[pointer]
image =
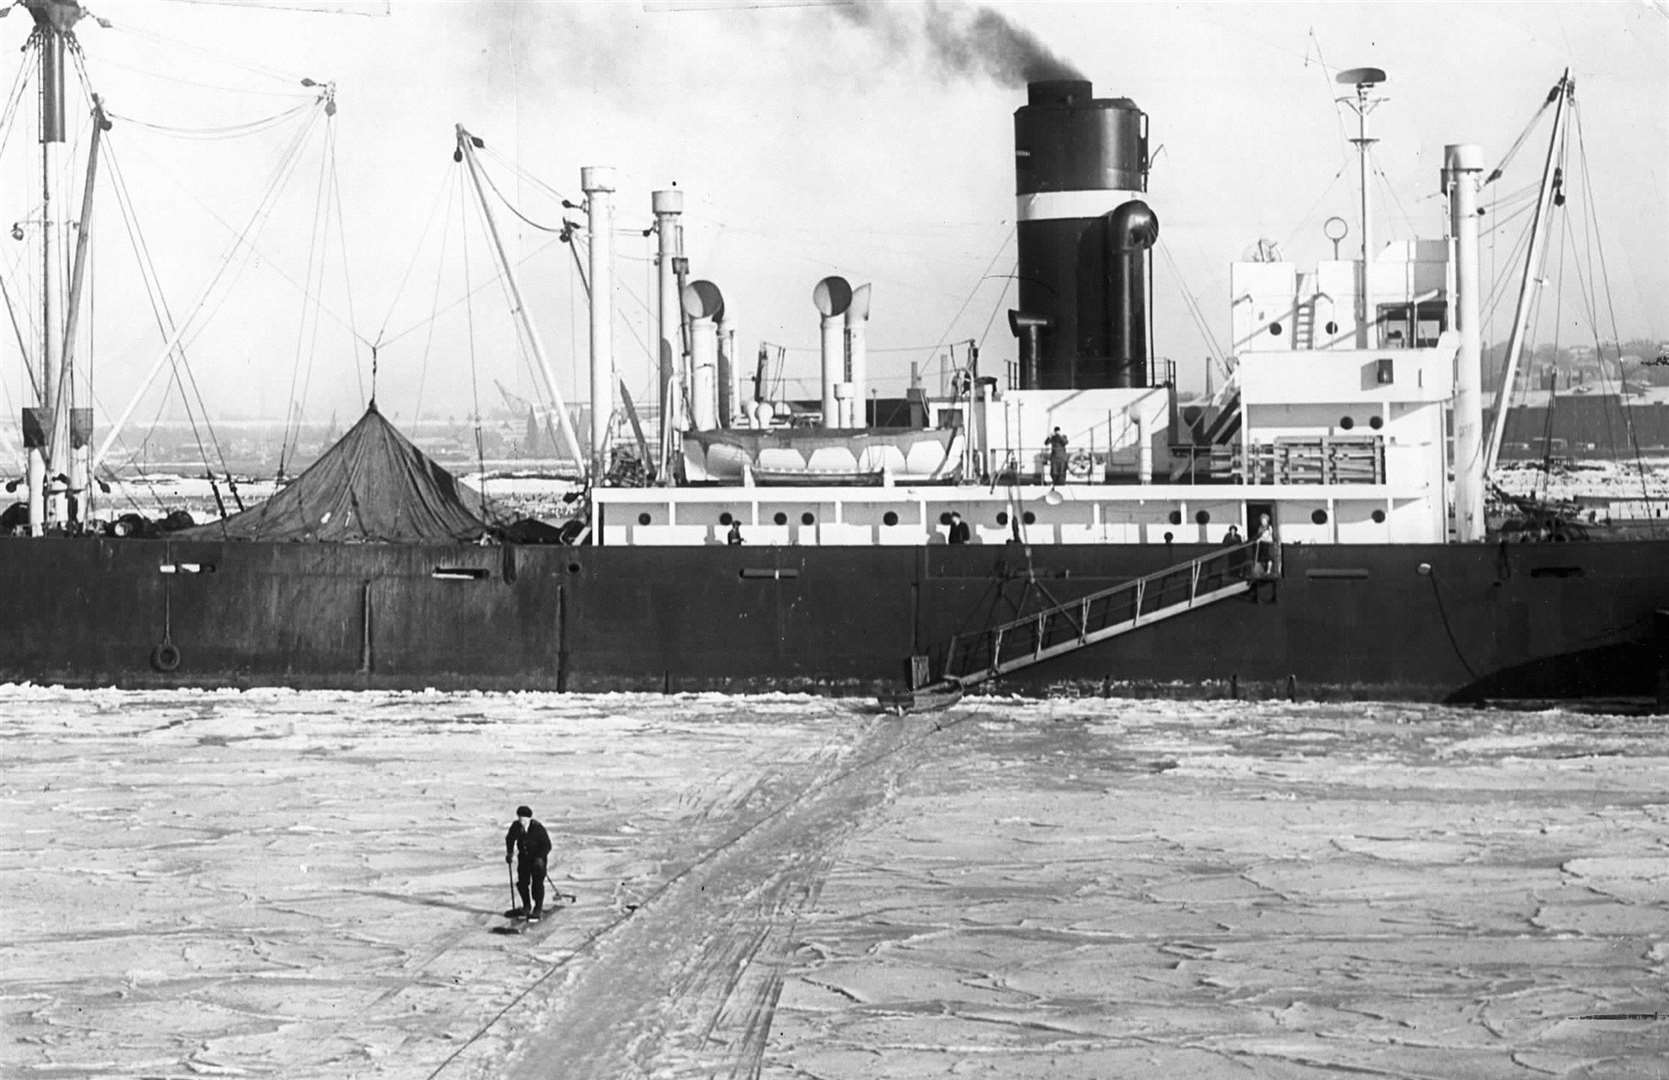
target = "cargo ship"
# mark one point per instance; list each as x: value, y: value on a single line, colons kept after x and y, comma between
x: 1067, y: 521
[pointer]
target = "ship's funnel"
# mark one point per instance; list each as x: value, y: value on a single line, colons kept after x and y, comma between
x: 1077, y: 158
x: 832, y: 296
x: 857, y: 357
x: 703, y: 303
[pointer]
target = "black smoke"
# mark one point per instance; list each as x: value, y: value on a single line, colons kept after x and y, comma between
x: 963, y: 40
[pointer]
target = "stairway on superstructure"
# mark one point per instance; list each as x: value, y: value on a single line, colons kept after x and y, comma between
x: 976, y: 656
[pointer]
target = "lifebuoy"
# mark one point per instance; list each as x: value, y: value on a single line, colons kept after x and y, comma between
x: 1079, y: 463
x: 166, y: 656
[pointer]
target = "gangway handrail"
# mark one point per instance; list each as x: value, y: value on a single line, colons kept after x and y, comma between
x: 1228, y: 571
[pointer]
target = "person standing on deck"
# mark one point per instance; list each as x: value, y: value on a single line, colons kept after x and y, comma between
x: 959, y: 531
x: 529, y: 845
x: 1057, y: 457
x: 1265, y: 556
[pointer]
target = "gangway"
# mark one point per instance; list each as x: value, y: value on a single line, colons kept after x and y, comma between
x: 973, y: 657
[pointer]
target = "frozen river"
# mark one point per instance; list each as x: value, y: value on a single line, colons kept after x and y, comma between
x: 308, y: 884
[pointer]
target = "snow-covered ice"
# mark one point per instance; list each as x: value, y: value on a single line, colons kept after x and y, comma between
x: 272, y: 883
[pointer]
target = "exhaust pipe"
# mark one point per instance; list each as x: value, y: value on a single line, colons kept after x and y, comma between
x: 1131, y: 229
x: 832, y: 296
x: 703, y: 303
x: 857, y: 356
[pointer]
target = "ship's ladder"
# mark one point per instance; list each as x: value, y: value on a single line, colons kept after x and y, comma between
x: 975, y: 656
x: 1303, y: 328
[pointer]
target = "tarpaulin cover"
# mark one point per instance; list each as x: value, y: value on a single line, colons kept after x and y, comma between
x: 373, y: 485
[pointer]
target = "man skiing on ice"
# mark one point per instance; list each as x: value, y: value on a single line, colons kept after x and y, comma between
x: 529, y: 845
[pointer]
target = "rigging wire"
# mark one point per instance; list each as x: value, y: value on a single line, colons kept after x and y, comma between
x: 508, y: 205
x: 950, y: 327
x: 342, y: 245
x: 217, y: 54
x: 217, y: 134
x: 1309, y: 215
x: 1192, y: 303
x: 1598, y: 241
x: 525, y: 175
x: 453, y: 191
x: 191, y: 326
x: 160, y: 309
x: 383, y: 342
x: 442, y: 190
x: 19, y: 85
x: 996, y: 309
x: 295, y: 408
x: 1518, y: 143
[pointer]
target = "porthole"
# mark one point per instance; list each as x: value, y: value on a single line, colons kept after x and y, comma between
x: 1347, y: 422
x: 573, y: 568
x: 808, y: 518
x: 1331, y: 327
x: 1274, y: 329
x: 889, y: 518
x: 1319, y: 517
x: 644, y: 519
x: 1376, y: 422
x: 1176, y: 517
x: 725, y: 518
x: 780, y: 518
x: 944, y: 518
x: 1378, y: 517
x: 1002, y: 517
x: 1202, y: 517
x: 1029, y: 518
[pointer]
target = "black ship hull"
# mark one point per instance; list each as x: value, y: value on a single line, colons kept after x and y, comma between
x: 1401, y: 622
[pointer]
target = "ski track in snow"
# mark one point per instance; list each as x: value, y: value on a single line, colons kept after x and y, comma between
x: 272, y: 883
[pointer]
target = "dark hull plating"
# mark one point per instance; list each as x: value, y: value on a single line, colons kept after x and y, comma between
x: 1552, y: 620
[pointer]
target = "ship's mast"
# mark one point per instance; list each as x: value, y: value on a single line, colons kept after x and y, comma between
x: 1462, y: 169
x: 1364, y: 80
x: 47, y: 430
x: 1562, y: 93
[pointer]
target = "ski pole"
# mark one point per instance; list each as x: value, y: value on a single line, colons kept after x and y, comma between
x: 558, y: 893
x: 515, y: 901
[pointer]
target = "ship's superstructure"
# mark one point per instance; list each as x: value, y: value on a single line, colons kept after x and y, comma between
x: 1336, y: 443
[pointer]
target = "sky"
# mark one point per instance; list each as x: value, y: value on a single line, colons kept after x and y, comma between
x: 874, y: 142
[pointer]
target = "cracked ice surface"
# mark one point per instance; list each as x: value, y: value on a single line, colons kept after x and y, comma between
x: 304, y: 884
